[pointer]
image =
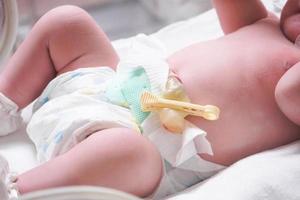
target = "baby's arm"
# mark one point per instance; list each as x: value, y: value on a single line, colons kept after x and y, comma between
x: 234, y: 14
x: 287, y: 93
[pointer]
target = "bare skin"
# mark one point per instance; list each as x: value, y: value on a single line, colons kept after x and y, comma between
x: 64, y: 39
x: 239, y: 73
x: 247, y: 73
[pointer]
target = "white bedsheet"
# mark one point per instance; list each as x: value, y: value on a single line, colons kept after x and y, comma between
x: 269, y: 175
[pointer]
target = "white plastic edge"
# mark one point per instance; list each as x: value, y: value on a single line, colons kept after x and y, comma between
x: 79, y: 193
x: 10, y: 29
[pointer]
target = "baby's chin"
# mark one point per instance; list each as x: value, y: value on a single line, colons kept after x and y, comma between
x: 291, y: 27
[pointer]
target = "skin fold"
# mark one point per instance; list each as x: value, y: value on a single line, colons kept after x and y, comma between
x: 252, y: 74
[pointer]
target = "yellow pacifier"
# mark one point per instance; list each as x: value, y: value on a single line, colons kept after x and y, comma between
x: 174, y: 106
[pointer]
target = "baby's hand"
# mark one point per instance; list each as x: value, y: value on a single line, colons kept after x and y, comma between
x: 290, y: 20
x: 287, y: 93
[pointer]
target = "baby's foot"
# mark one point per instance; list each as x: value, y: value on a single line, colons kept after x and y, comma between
x: 10, y: 118
x: 8, y: 189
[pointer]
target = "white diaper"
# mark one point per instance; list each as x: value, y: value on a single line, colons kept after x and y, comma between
x: 10, y: 117
x: 75, y: 105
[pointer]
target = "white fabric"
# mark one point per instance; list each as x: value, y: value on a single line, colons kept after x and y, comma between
x: 10, y: 116
x: 174, y: 37
x: 3, y: 168
x: 270, y: 175
x: 3, y: 191
x: 71, y: 108
x: 8, y: 189
x: 182, y: 166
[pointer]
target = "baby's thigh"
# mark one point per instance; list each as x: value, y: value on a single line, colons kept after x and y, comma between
x: 75, y: 40
x: 123, y: 153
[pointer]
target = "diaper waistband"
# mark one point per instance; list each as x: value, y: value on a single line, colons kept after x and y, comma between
x: 143, y: 68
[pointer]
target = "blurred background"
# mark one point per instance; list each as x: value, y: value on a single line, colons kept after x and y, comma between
x: 118, y: 18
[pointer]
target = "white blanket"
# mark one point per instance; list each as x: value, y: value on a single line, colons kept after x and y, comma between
x: 269, y: 175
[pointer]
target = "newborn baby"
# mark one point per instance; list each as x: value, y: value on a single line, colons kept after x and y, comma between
x: 249, y: 74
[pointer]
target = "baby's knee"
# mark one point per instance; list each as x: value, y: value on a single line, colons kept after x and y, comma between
x: 144, y: 158
x: 64, y: 19
x: 66, y: 14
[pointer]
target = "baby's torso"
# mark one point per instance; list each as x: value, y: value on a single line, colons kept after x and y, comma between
x: 239, y: 73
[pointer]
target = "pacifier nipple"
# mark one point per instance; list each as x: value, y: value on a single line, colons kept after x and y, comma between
x: 173, y: 120
x: 174, y: 90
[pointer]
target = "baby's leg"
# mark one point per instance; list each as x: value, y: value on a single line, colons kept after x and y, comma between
x: 64, y: 39
x: 117, y: 158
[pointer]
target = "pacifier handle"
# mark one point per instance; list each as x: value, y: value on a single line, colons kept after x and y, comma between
x: 151, y: 102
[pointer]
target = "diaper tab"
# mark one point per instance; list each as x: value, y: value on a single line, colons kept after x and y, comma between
x: 126, y: 88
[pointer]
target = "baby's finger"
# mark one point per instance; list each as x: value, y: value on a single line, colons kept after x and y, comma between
x: 291, y: 27
x: 290, y: 19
